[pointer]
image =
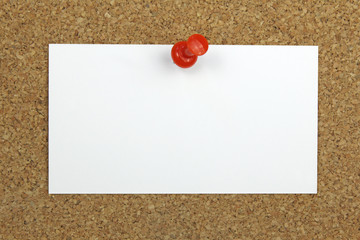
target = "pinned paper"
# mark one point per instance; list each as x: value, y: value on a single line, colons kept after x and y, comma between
x: 126, y: 119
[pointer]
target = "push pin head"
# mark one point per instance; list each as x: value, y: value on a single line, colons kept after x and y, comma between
x: 185, y: 53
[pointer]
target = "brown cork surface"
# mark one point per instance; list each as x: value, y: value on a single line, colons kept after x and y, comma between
x: 27, y: 211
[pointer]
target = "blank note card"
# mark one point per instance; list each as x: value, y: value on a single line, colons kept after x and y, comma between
x: 125, y: 119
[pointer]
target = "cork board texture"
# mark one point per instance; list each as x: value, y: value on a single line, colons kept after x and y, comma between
x: 27, y: 211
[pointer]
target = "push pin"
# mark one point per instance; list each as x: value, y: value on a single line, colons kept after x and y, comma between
x: 185, y: 53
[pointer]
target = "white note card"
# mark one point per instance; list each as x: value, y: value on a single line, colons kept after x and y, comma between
x: 124, y: 119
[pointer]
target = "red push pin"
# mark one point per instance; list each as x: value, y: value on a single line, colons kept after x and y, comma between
x: 185, y: 53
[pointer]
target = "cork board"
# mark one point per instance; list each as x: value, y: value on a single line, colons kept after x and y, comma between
x: 28, y: 212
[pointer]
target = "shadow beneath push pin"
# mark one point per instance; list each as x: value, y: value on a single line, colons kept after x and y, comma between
x: 165, y: 60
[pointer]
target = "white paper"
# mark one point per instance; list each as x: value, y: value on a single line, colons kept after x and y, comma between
x: 125, y: 119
